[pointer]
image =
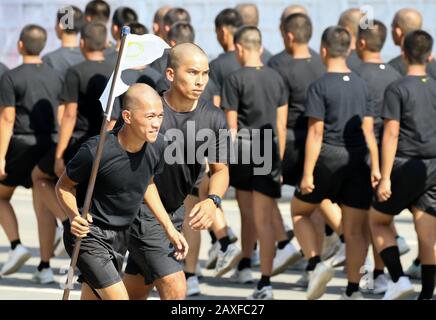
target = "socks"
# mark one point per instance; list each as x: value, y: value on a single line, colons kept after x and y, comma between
x: 224, y: 242
x: 391, y: 259
x: 282, y: 244
x: 290, y: 234
x: 328, y: 231
x: 212, y: 237
x: 311, y: 264
x: 351, y: 288
x: 342, y: 238
x: 417, y: 262
x: 428, y: 273
x: 43, y: 265
x: 264, y: 282
x: 15, y: 243
x: 377, y: 272
x: 188, y: 275
x: 244, y: 263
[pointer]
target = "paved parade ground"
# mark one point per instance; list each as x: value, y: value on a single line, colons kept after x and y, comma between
x: 19, y: 286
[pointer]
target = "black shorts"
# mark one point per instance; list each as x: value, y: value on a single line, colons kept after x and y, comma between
x: 151, y: 254
x: 293, y: 161
x: 413, y: 184
x: 342, y: 175
x: 23, y: 154
x: 46, y: 164
x: 101, y: 255
x: 250, y: 174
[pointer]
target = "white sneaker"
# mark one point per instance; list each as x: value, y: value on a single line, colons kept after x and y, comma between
x: 212, y: 255
x: 231, y: 234
x: 284, y: 258
x: 339, y: 258
x: 403, y: 247
x: 265, y: 293
x: 59, y: 249
x: 192, y: 286
x: 227, y: 260
x: 355, y: 296
x: 303, y: 282
x: 255, y: 258
x: 399, y: 290
x: 45, y: 276
x: 243, y: 276
x: 375, y: 286
x: 17, y: 258
x: 318, y: 280
x: 414, y: 271
x: 330, y: 246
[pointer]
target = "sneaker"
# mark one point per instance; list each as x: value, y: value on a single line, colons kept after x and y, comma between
x: 17, y: 258
x: 243, y: 276
x: 303, y: 282
x: 227, y: 260
x: 355, y: 296
x: 399, y: 290
x: 338, y: 259
x: 59, y: 248
x: 265, y: 293
x: 318, y: 280
x: 403, y: 247
x: 377, y: 286
x: 45, y: 276
x: 255, y: 258
x: 232, y: 236
x: 192, y: 286
x: 284, y: 258
x: 212, y: 255
x: 330, y: 246
x: 414, y: 271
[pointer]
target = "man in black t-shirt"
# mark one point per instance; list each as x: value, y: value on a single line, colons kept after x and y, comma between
x: 408, y: 168
x: 3, y: 69
x: 29, y: 100
x: 340, y: 132
x: 350, y: 20
x: 130, y: 159
x: 186, y: 115
x: 255, y: 100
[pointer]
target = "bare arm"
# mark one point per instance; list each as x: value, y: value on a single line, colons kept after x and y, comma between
x: 282, y: 119
x: 232, y: 122
x: 65, y: 132
x: 60, y: 114
x: 7, y: 121
x: 371, y: 142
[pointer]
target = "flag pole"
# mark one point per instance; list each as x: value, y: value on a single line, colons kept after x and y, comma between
x: 86, y: 206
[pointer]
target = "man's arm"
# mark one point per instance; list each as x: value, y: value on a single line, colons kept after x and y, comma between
x: 389, y: 149
x: 65, y: 132
x: 232, y: 122
x: 371, y: 142
x: 153, y: 201
x: 313, y: 148
x: 7, y: 121
x: 282, y: 119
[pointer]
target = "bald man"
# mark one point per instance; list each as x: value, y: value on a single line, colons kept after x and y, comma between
x: 249, y: 13
x: 350, y: 20
x: 131, y: 157
x: 158, y: 21
x: 151, y: 262
x: 407, y: 20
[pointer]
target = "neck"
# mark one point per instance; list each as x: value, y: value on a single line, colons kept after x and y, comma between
x: 337, y: 65
x: 94, y: 55
x: 299, y: 51
x: 252, y: 59
x: 417, y: 70
x: 129, y: 141
x: 69, y: 40
x: 31, y: 59
x: 371, y: 57
x: 230, y: 46
x: 353, y: 43
x: 178, y: 102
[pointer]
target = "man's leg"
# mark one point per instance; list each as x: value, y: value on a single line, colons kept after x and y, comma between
x: 248, y: 229
x: 135, y: 287
x: 172, y: 287
x: 87, y: 293
x: 8, y: 219
x: 116, y: 291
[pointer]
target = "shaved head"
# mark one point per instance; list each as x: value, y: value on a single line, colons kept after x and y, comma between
x: 248, y: 37
x: 249, y: 13
x: 350, y: 20
x: 139, y: 96
x: 182, y: 52
x: 293, y: 9
x: 407, y: 20
x: 160, y: 13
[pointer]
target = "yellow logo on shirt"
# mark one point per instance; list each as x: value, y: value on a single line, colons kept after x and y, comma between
x: 424, y: 80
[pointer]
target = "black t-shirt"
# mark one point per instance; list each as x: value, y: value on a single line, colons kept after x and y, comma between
x: 255, y: 93
x: 122, y: 178
x: 34, y: 90
x: 84, y: 84
x: 341, y: 100
x: 297, y: 75
x: 63, y: 58
x: 179, y: 177
x: 3, y: 69
x: 377, y: 76
x: 399, y: 65
x: 353, y: 60
x: 160, y: 64
x: 412, y: 101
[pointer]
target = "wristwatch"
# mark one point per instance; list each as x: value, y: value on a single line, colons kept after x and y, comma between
x: 216, y: 199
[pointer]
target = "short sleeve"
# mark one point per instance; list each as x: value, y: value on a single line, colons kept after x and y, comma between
x: 284, y: 94
x: 79, y: 168
x: 230, y: 94
x: 221, y: 150
x: 7, y: 92
x: 71, y: 88
x: 214, y: 75
x: 392, y: 104
x: 160, y: 163
x: 315, y: 104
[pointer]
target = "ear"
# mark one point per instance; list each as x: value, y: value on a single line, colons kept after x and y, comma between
x: 323, y: 52
x: 430, y: 58
x: 82, y: 43
x: 169, y: 72
x: 115, y: 32
x: 261, y: 50
x: 155, y: 28
x: 21, y: 47
x: 127, y: 116
x: 398, y: 32
x: 289, y: 37
x: 361, y: 43
x: 88, y: 19
x: 167, y: 28
x: 172, y: 43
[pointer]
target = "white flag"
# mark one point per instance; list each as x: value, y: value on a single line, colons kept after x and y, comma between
x: 138, y: 51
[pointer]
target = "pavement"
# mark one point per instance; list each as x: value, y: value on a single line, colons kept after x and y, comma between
x: 19, y: 286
